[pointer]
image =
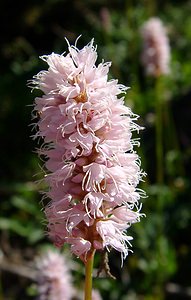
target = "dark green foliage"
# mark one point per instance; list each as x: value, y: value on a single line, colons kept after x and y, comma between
x: 162, y: 239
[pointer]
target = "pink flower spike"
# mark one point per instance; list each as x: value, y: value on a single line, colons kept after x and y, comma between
x: 156, y: 49
x: 91, y: 167
x: 54, y: 280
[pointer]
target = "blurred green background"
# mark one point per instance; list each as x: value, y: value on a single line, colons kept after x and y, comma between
x: 160, y: 267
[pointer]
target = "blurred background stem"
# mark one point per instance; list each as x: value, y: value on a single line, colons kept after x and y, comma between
x: 159, y: 132
x: 1, y: 289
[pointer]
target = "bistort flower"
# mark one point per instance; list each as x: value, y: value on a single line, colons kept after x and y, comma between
x: 54, y: 279
x: 156, y: 49
x: 96, y: 295
x: 91, y: 167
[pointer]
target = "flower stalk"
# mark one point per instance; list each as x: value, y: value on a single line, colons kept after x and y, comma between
x: 88, y: 277
x: 159, y: 134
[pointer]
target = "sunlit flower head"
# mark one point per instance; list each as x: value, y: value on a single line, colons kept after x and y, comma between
x: 91, y: 167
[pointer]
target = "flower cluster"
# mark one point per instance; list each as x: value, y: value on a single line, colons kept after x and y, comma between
x: 93, y: 170
x: 54, y: 280
x: 96, y: 295
x: 156, y: 49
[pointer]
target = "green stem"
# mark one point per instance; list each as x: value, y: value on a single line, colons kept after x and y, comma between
x: 159, y: 134
x: 1, y: 289
x: 172, y: 142
x: 88, y: 276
